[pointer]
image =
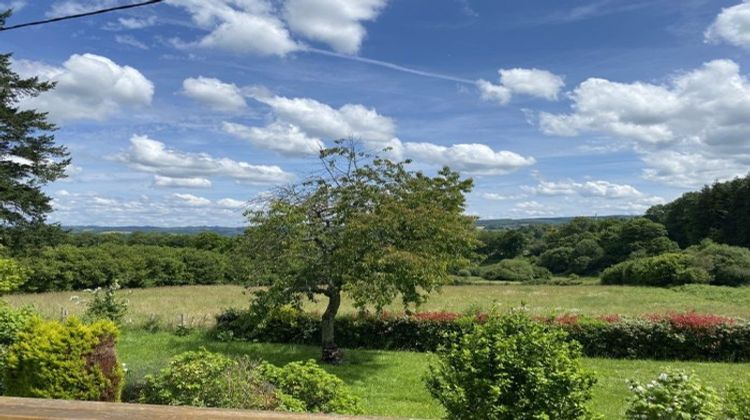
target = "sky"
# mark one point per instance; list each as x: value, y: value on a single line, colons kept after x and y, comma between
x: 184, y: 112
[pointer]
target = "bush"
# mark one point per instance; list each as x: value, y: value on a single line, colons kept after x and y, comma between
x: 320, y: 391
x: 204, y: 379
x: 105, y: 305
x: 511, y: 368
x: 737, y: 402
x: 726, y: 265
x: 662, y: 270
x: 12, y: 275
x: 515, y: 270
x: 65, y: 361
x: 673, y: 395
x: 12, y: 321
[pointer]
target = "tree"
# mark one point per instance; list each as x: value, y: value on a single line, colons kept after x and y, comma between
x: 29, y: 158
x: 364, y: 225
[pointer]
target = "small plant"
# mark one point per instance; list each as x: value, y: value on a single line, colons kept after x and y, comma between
x: 737, y: 402
x: 511, y: 367
x: 105, y: 304
x: 673, y: 395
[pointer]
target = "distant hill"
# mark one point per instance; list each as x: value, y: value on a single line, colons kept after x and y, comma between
x: 180, y: 230
x: 516, y: 223
x: 234, y: 231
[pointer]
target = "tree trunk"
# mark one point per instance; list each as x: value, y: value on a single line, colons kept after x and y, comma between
x: 331, y: 352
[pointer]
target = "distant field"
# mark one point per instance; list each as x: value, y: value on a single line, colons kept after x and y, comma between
x: 390, y: 383
x: 201, y: 303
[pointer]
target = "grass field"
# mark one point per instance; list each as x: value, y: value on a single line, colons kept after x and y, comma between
x: 201, y: 303
x: 390, y: 383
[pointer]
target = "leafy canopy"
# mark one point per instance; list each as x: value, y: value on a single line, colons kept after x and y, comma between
x: 365, y: 225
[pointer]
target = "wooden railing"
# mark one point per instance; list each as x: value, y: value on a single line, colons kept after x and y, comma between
x: 31, y: 408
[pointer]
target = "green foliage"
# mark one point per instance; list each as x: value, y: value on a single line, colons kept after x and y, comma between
x: 320, y: 391
x: 105, y: 304
x: 205, y: 379
x: 662, y: 270
x: 737, y: 402
x: 720, y: 212
x: 726, y: 265
x: 673, y: 395
x: 517, y: 269
x: 12, y: 321
x: 503, y: 244
x: 65, y: 361
x: 12, y: 275
x: 511, y: 368
x: 68, y: 267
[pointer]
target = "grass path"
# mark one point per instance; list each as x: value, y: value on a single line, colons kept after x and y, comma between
x: 390, y: 383
x: 202, y: 303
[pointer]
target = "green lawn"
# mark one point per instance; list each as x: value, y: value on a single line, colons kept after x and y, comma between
x: 390, y: 383
x: 201, y: 303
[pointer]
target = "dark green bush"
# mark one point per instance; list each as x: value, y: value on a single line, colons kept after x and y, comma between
x: 65, y: 361
x: 515, y: 270
x: 726, y: 265
x: 511, y: 367
x: 673, y: 395
x: 662, y: 270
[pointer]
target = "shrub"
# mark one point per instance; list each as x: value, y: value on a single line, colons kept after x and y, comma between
x: 320, y: 391
x: 557, y: 260
x: 515, y: 270
x: 12, y: 321
x: 511, y: 368
x: 727, y: 265
x: 204, y: 379
x: 662, y: 270
x: 12, y: 275
x: 673, y: 395
x: 65, y: 361
x: 737, y: 402
x: 105, y: 305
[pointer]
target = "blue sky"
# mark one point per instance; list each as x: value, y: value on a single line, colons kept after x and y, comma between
x: 179, y: 113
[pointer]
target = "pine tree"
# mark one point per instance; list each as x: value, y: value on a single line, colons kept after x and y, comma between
x: 29, y: 157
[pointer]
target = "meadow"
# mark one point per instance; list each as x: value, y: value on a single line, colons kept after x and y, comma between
x: 390, y: 383
x: 200, y: 304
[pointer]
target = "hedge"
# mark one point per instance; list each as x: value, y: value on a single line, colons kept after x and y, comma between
x: 676, y: 336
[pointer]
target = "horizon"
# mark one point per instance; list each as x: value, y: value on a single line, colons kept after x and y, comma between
x: 180, y: 113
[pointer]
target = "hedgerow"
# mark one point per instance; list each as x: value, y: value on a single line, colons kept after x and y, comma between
x: 676, y: 336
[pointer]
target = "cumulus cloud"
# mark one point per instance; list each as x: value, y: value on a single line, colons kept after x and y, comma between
x: 476, y: 159
x: 191, y: 200
x: 88, y: 87
x: 337, y: 23
x: 697, y: 117
x: 532, y: 82
x: 599, y: 188
x: 239, y: 26
x: 169, y: 182
x: 230, y: 203
x: 732, y: 26
x: 285, y: 138
x: 147, y: 155
x: 214, y: 93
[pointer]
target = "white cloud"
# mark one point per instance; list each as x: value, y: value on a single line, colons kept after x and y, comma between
x: 477, y: 159
x: 230, y: 203
x: 73, y: 7
x: 131, y: 41
x: 191, y: 200
x: 502, y: 197
x: 152, y: 156
x: 532, y: 82
x: 88, y: 87
x: 239, y: 26
x: 169, y: 182
x: 732, y: 26
x: 698, y: 117
x: 136, y: 23
x: 533, y: 209
x: 322, y: 121
x: 599, y: 188
x: 281, y: 137
x: 215, y: 93
x: 334, y: 22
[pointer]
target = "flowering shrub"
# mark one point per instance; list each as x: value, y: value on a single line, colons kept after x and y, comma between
x: 678, y: 336
x: 673, y: 395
